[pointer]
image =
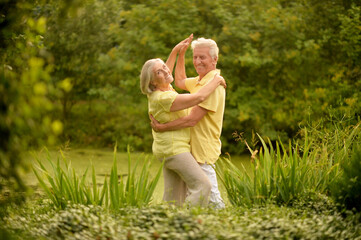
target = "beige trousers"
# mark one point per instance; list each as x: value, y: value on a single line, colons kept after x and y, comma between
x: 181, y: 172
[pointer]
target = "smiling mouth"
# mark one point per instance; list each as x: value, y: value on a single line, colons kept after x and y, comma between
x: 200, y: 67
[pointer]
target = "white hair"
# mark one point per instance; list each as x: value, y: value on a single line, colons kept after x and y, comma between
x: 147, y: 75
x: 202, y: 42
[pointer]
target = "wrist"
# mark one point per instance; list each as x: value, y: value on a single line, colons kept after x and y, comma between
x: 175, y: 50
x: 160, y: 128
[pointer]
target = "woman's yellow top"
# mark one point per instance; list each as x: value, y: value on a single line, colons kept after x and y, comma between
x: 169, y: 143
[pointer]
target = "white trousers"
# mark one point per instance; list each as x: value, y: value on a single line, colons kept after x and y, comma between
x: 215, y: 199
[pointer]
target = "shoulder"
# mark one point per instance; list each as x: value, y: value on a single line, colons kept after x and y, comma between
x: 153, y: 95
x: 166, y: 96
x: 214, y: 100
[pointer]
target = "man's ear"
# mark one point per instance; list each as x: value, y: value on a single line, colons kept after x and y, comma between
x: 215, y: 59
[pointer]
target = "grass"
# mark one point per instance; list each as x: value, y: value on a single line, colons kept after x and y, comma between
x: 137, y: 190
x: 102, y: 160
x: 284, y: 174
x: 63, y: 186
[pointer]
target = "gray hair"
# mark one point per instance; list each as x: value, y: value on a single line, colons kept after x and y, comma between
x: 147, y: 75
x: 202, y: 42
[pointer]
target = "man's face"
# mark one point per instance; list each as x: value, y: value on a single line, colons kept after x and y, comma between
x: 202, y: 61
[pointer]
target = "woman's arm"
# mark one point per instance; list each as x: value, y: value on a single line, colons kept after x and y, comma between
x: 171, y: 59
x: 183, y: 101
x: 173, y: 54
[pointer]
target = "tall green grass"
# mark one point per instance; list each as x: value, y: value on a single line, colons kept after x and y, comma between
x: 63, y: 185
x: 283, y: 174
x: 137, y: 190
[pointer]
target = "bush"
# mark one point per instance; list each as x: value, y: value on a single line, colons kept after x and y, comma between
x: 25, y: 89
x: 168, y: 222
x: 347, y: 190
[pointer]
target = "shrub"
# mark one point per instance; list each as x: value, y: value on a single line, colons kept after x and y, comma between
x: 347, y: 189
x: 169, y: 222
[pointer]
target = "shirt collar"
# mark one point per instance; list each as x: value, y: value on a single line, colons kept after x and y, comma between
x: 209, y: 76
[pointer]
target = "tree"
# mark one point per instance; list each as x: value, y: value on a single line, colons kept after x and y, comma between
x: 26, y: 119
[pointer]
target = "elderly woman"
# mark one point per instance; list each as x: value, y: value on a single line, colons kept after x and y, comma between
x: 181, y: 170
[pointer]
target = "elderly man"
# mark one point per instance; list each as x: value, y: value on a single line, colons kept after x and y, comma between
x: 206, y: 118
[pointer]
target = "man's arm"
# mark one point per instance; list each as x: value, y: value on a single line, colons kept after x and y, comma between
x: 191, y: 120
x: 180, y: 72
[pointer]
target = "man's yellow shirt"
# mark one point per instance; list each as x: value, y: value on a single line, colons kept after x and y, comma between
x: 205, y: 136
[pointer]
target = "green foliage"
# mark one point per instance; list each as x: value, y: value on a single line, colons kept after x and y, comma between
x: 4, y: 234
x: 308, y: 221
x: 285, y: 63
x: 64, y: 186
x: 347, y: 189
x: 71, y: 68
x: 137, y: 190
x: 280, y: 175
x: 26, y: 119
x: 76, y: 41
x: 334, y: 142
x: 285, y: 174
x: 110, y: 122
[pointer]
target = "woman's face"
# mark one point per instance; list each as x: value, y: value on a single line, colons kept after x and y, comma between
x: 162, y: 75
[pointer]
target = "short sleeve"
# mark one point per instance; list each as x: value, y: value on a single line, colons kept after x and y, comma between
x: 190, y: 83
x: 166, y: 99
x: 216, y: 98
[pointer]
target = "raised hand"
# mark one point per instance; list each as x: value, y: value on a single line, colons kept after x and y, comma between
x: 186, y: 43
x: 179, y: 48
x: 183, y: 45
